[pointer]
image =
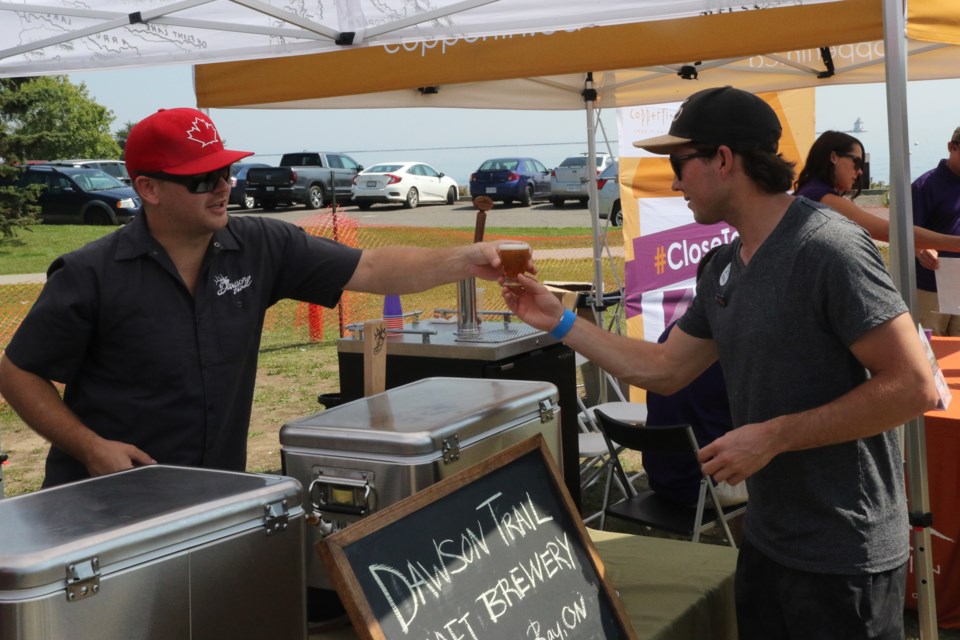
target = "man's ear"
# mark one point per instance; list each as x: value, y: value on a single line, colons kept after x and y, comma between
x: 726, y: 158
x: 146, y: 188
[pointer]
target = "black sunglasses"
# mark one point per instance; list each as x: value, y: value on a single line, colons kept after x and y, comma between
x: 677, y: 162
x: 198, y: 183
x: 857, y: 160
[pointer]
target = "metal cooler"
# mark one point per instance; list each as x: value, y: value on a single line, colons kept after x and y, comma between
x: 370, y: 453
x: 157, y: 552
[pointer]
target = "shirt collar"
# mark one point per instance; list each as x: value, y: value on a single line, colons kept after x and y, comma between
x: 135, y: 239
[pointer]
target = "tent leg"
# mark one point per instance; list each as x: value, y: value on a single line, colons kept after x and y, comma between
x: 589, y: 100
x: 902, y: 270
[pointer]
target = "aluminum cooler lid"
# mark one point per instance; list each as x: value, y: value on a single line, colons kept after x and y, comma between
x: 415, y: 418
x: 127, y: 515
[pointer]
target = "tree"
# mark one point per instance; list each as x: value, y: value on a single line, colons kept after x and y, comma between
x: 17, y: 208
x: 53, y: 118
x: 46, y: 118
x: 122, y: 135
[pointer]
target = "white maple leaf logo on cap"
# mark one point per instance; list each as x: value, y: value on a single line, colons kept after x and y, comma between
x: 203, y: 132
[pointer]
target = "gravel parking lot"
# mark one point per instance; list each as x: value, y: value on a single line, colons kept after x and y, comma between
x: 460, y: 214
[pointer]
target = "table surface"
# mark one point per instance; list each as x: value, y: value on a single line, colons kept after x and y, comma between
x: 942, y: 436
x: 671, y: 590
x: 947, y: 351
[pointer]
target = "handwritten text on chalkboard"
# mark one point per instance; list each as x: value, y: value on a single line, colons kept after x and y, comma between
x: 500, y: 557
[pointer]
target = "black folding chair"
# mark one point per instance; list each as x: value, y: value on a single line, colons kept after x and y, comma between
x: 646, y: 507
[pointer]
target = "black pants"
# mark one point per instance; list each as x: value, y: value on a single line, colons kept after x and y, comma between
x: 775, y: 602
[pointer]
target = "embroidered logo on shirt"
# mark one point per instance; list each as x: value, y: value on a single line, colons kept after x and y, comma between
x: 225, y: 286
x: 203, y: 132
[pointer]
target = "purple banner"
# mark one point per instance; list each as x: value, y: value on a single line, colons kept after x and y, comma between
x: 661, y: 260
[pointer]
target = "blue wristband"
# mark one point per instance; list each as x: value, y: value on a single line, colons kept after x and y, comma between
x: 566, y: 323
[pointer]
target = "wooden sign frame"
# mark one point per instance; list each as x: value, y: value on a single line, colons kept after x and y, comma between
x: 333, y: 549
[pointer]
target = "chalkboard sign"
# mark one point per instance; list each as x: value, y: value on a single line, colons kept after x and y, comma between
x: 496, y: 551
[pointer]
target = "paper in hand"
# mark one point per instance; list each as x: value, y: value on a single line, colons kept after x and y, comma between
x: 948, y: 285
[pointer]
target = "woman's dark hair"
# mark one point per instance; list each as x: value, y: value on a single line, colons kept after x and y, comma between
x: 770, y: 172
x: 818, y: 164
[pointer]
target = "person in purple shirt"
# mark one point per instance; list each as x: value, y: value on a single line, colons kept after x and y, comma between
x: 831, y: 176
x: 705, y: 406
x: 936, y: 206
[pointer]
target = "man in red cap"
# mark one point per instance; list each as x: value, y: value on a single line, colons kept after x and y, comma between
x: 154, y: 330
x: 821, y: 360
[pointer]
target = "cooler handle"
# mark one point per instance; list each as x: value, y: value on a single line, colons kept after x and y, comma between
x: 349, y: 483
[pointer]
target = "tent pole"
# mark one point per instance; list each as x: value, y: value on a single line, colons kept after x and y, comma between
x: 589, y: 100
x: 903, y: 272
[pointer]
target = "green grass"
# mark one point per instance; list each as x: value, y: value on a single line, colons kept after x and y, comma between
x: 36, y: 247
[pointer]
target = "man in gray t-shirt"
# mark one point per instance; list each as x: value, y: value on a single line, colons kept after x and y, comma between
x: 821, y: 359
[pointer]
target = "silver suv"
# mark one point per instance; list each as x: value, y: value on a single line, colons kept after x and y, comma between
x: 569, y: 180
x: 115, y: 168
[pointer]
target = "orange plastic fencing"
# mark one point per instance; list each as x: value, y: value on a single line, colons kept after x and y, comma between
x: 291, y: 323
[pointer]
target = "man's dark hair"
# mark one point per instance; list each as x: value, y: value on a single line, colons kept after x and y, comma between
x: 770, y: 172
x: 818, y: 165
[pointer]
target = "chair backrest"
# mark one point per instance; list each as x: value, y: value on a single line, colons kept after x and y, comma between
x: 677, y: 438
x: 674, y: 439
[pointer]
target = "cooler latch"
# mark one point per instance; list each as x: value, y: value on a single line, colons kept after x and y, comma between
x: 548, y: 410
x: 83, y: 579
x: 451, y: 449
x: 275, y: 516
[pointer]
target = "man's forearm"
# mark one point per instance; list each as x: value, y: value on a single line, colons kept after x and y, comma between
x: 39, y: 405
x: 408, y: 270
x: 879, y: 404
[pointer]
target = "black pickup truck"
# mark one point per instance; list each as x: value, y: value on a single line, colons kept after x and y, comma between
x: 308, y: 177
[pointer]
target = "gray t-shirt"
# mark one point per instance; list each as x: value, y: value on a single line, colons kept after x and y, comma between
x: 783, y: 325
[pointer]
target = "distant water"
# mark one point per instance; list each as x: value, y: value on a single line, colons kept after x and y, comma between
x: 925, y: 153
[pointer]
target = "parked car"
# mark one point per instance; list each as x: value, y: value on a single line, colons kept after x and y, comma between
x: 569, y: 181
x: 509, y: 179
x: 238, y: 184
x: 311, y: 177
x: 80, y: 196
x: 407, y: 183
x: 115, y: 168
x: 608, y: 194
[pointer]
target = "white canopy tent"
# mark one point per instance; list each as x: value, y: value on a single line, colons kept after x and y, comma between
x: 513, y: 54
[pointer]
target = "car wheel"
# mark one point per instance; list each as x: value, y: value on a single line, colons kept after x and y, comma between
x: 452, y: 195
x: 527, y: 198
x: 268, y: 205
x: 364, y: 206
x: 247, y: 202
x: 616, y: 216
x: 413, y: 199
x: 314, y: 197
x: 97, y: 215
x: 557, y: 202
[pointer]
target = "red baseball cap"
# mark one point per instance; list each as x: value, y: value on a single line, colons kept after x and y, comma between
x: 181, y: 142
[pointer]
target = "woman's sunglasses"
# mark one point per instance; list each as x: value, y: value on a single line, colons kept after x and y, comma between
x: 198, y: 183
x: 857, y: 160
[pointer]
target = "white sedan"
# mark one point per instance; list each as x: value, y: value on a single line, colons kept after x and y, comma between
x: 407, y: 183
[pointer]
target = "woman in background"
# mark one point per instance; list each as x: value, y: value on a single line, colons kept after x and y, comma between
x: 831, y: 175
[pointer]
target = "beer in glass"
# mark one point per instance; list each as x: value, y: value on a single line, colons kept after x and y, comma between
x: 514, y: 257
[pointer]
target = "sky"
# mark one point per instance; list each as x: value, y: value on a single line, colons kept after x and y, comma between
x: 456, y: 141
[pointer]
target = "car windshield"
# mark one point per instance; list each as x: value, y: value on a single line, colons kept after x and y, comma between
x: 576, y: 161
x: 499, y: 165
x: 96, y: 181
x: 384, y: 168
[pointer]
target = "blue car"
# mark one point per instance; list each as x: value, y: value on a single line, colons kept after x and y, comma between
x: 81, y: 196
x: 508, y: 179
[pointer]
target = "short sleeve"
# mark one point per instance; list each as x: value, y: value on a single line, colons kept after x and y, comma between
x: 52, y: 340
